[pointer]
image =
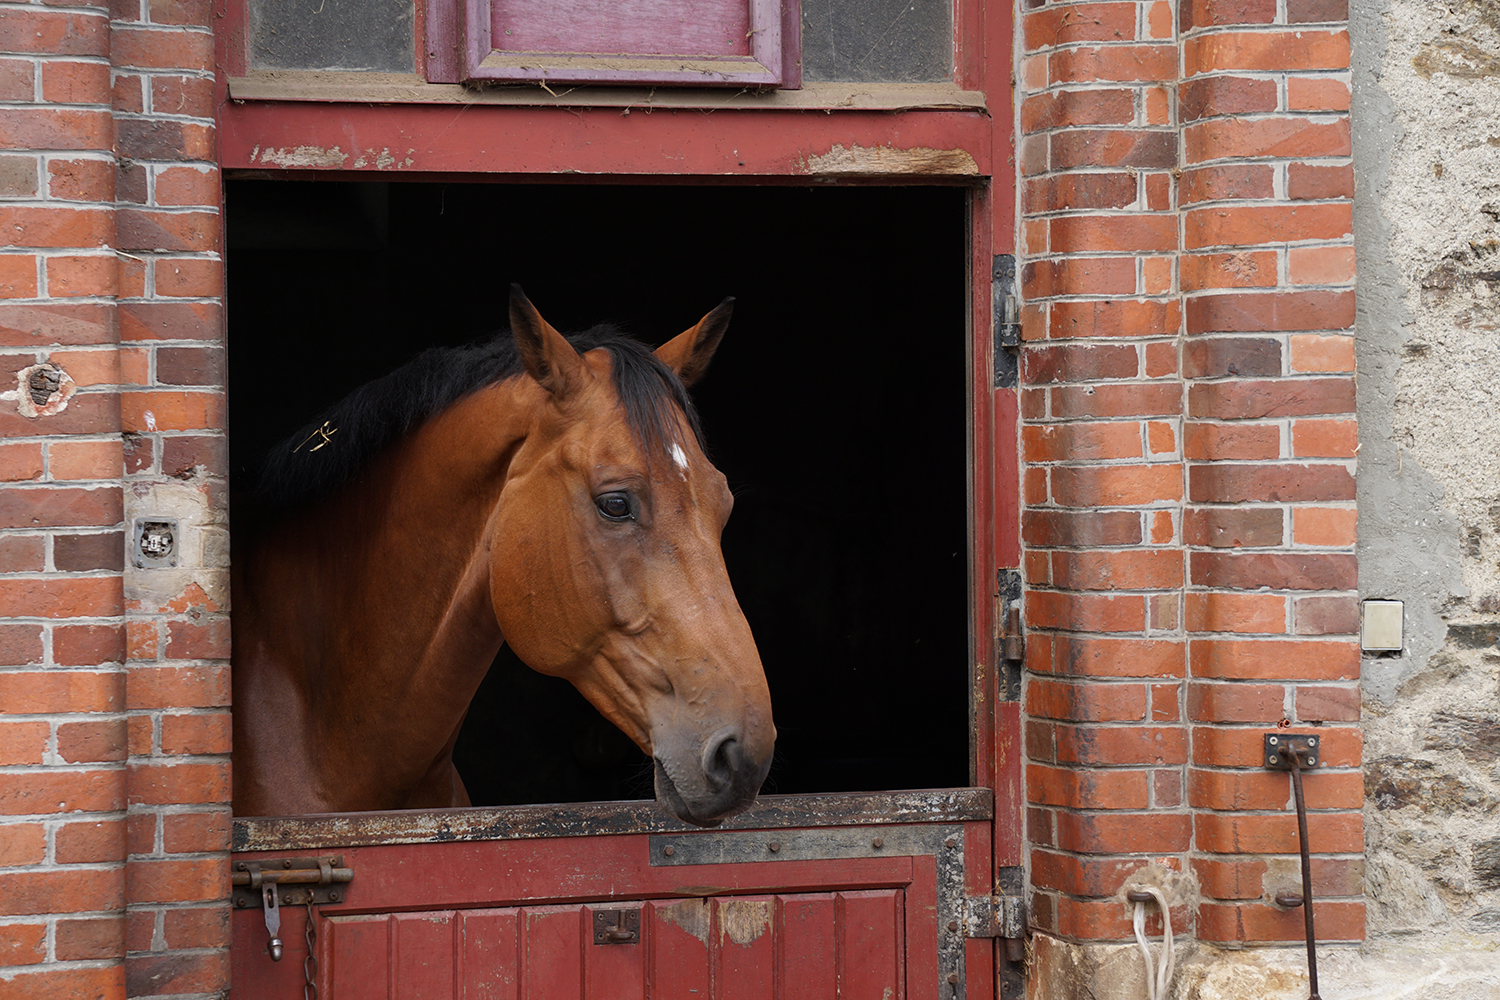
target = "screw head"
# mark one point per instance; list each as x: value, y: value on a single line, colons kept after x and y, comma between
x: 950, y: 843
x: 953, y: 979
x: 1312, y: 741
x: 774, y: 845
x: 1272, y: 759
x: 1273, y: 741
x: 669, y: 850
x: 878, y: 842
x: 953, y: 925
x: 333, y: 897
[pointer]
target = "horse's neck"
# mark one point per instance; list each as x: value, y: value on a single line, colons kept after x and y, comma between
x: 374, y: 604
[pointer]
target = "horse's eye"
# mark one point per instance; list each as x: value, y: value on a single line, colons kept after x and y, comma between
x: 615, y: 506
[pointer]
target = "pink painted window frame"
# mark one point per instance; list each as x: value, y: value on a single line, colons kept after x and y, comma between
x: 460, y: 49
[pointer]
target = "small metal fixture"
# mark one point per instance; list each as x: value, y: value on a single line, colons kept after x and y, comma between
x: 154, y: 544
x: 617, y: 926
x: 1380, y: 626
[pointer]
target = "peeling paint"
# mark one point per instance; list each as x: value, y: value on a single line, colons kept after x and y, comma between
x: 743, y: 921
x: 691, y: 915
x: 860, y: 161
x: 304, y: 156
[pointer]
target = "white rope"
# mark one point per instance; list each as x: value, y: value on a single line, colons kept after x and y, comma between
x: 1158, y: 978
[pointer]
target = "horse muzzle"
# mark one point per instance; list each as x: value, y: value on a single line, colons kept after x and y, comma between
x: 705, y: 783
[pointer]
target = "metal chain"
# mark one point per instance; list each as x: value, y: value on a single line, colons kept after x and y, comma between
x: 310, y: 963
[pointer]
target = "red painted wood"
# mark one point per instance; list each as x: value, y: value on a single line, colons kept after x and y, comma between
x: 809, y: 943
x: 744, y: 948
x: 570, y: 144
x: 678, y: 947
x: 490, y: 955
x: 654, y: 27
x: 869, y: 956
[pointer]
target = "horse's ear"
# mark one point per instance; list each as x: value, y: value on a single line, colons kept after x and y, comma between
x: 687, y: 353
x: 548, y: 357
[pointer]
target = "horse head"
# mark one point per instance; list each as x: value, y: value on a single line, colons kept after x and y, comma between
x: 605, y: 565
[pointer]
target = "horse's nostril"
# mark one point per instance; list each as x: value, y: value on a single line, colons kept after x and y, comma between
x: 723, y: 757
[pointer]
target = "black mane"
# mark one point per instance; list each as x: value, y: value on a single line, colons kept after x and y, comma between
x: 298, y: 471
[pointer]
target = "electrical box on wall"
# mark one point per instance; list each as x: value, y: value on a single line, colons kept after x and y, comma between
x: 1380, y: 626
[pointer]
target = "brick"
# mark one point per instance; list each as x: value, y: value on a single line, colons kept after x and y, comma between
x: 91, y: 939
x: 1321, y: 266
x: 140, y: 453
x: 197, y: 927
x: 23, y: 742
x: 1101, y: 147
x: 1225, y: 95
x: 1232, y: 226
x: 159, y: 410
x: 1116, y: 485
x: 22, y: 554
x: 1156, y: 272
x: 60, y: 507
x: 1035, y: 154
x: 140, y: 735
x: 22, y: 844
x: 1236, y: 879
x: 172, y: 784
x: 52, y: 983
x: 140, y: 832
x: 1254, y: 659
x: 1072, y: 108
x: 1235, y: 702
x: 31, y: 597
x: 186, y: 12
x: 1326, y: 615
x: 1076, y: 442
x: 19, y: 645
x: 54, y: 226
x: 1092, y: 528
x: 1208, y: 13
x: 196, y: 833
x: 1332, y: 527
x: 1250, y: 399
x: 1279, y: 571
x: 1138, y: 569
x: 20, y: 462
x: 1224, y: 482
x: 61, y: 33
x: 1113, y: 745
x: 1260, y: 922
x: 190, y: 365
x: 1265, y: 50
x: 18, y: 176
x: 140, y: 929
x: 166, y: 48
x: 177, y: 881
x: 81, y: 179
x: 93, y: 275
x: 1088, y: 22
x: 206, y: 640
x: 1219, y: 183
x: 1114, y: 318
x: 72, y: 460
x: 1240, y: 834
x: 182, y: 455
x: 1317, y: 11
x: 65, y: 81
x: 1163, y: 529
x: 1114, y: 63
x: 17, y: 80
x: 1313, y: 182
x: 83, y: 553
x: 1077, y: 362
x: 1116, y: 401
x: 1085, y: 702
x: 187, y: 96
x: 1270, y: 790
x: 59, y: 691
x: 23, y: 944
x: 177, y: 974
x: 1208, y: 442
x: 196, y: 278
x: 1217, y: 746
x: 1317, y: 94
x: 171, y: 321
x: 1161, y: 360
x: 91, y: 741
x: 1071, y: 192
x: 1327, y: 703
x: 187, y: 186
x: 1086, y: 612
x: 1264, y: 138
x: 91, y: 842
x: 1136, y: 833
x: 195, y: 734
x: 1081, y: 876
x: 1114, y: 789
x: 128, y: 97
x: 1113, y: 233
x: 1313, y: 353
x: 57, y: 791
x: 1216, y: 357
x: 1241, y: 269
x: 1248, y: 613
x: 177, y: 231
x: 18, y: 276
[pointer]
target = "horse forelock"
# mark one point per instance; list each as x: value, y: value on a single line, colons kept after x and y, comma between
x: 331, y: 450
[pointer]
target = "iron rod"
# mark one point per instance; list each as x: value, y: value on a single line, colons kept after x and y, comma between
x: 1307, y: 896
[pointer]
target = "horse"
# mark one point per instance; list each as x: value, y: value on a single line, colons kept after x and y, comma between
x: 544, y: 491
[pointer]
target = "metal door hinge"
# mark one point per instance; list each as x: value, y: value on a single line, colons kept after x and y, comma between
x: 1006, y: 315
x: 1001, y: 917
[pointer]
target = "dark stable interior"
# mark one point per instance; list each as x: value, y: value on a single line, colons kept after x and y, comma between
x: 836, y: 407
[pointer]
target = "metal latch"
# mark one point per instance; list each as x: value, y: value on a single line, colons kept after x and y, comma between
x: 287, y: 881
x: 997, y: 917
x: 617, y: 926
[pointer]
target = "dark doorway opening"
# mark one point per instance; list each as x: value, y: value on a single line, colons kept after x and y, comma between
x: 836, y: 406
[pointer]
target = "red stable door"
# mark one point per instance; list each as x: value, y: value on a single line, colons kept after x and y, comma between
x: 899, y: 894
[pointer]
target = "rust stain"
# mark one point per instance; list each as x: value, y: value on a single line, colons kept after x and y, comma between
x: 861, y: 161
x: 743, y: 921
x: 690, y: 914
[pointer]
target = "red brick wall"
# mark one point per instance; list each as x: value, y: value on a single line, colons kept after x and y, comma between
x: 113, y: 683
x: 1188, y: 439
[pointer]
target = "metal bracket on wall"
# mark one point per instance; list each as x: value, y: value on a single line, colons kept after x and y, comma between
x: 1001, y: 917
x: 1010, y: 640
x: 1005, y: 311
x: 1283, y: 751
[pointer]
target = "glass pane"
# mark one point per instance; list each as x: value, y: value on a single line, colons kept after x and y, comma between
x: 370, y: 35
x: 872, y: 41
